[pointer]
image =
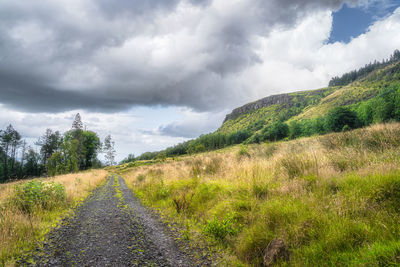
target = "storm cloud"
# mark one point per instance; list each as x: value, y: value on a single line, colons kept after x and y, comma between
x: 111, y: 55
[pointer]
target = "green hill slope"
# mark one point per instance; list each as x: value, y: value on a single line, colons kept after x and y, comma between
x: 311, y: 104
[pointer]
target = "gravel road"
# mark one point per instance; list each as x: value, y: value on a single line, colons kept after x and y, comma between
x: 111, y: 228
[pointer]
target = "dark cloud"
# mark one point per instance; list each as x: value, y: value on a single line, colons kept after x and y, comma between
x: 116, y: 9
x: 109, y: 55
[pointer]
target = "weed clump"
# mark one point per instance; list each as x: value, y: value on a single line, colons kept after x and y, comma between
x: 196, y: 168
x: 213, y: 166
x: 161, y: 191
x: 220, y: 229
x: 243, y: 151
x: 141, y: 177
x: 36, y: 194
x: 182, y: 202
x: 389, y: 194
x: 270, y: 150
x: 260, y: 190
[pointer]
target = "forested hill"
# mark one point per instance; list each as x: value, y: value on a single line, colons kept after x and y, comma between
x: 351, y: 87
x: 365, y: 96
x: 313, y: 96
x: 310, y: 107
x: 351, y: 76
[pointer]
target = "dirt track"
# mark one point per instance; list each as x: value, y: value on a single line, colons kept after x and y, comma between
x: 111, y: 228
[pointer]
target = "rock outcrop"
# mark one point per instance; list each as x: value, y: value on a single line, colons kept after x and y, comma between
x: 275, y: 251
x: 286, y: 100
x: 261, y: 103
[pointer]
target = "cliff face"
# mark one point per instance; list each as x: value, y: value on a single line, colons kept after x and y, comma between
x: 282, y: 99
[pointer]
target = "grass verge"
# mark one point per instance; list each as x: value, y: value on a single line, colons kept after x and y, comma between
x: 333, y: 199
x: 29, y: 209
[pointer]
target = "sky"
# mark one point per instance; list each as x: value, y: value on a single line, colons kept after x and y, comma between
x: 156, y: 73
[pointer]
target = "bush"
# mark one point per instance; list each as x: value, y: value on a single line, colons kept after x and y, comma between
x: 38, y: 195
x: 339, y: 118
x: 270, y: 150
x: 161, y: 191
x: 220, y: 229
x: 196, y: 149
x: 295, y: 129
x: 277, y: 131
x: 243, y: 151
x: 141, y: 177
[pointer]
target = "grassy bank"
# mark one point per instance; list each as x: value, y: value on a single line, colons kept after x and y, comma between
x: 333, y: 199
x: 22, y: 224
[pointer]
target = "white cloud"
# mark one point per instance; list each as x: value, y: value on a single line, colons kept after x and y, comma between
x: 300, y: 58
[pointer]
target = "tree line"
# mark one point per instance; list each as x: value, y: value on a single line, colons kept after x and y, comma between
x: 75, y: 150
x: 350, y: 77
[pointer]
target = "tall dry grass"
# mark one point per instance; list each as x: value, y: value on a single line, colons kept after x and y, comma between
x: 318, y: 194
x: 20, y: 231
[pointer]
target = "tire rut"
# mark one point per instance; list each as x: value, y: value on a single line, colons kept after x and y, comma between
x: 111, y: 228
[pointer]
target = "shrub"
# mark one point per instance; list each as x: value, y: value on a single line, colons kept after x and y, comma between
x: 270, y: 150
x: 141, y: 178
x: 198, y: 148
x: 161, y: 191
x: 182, y: 202
x: 295, y: 129
x: 220, y: 229
x: 276, y: 131
x: 162, y: 156
x: 339, y: 117
x: 243, y: 151
x: 38, y: 195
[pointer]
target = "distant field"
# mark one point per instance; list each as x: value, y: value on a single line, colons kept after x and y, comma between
x: 333, y: 199
x: 21, y: 227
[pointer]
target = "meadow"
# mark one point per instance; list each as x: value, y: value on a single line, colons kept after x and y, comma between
x: 333, y: 199
x: 30, y: 208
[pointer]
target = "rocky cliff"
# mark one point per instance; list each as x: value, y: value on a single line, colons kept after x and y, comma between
x: 285, y: 100
x: 261, y: 103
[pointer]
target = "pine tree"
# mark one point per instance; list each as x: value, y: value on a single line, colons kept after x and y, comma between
x: 9, y: 140
x: 49, y: 143
x: 109, y: 150
x: 77, y: 124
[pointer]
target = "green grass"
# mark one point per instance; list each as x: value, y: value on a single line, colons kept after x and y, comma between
x: 326, y: 215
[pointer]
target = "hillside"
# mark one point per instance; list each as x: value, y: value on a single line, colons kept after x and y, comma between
x: 356, y: 99
x: 331, y: 200
x: 310, y: 104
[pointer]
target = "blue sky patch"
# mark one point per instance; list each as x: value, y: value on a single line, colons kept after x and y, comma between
x: 350, y: 22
